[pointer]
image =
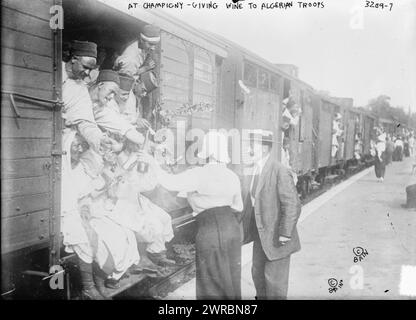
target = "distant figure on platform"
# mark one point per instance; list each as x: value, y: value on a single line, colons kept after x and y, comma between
x: 271, y: 211
x: 336, y: 134
x: 406, y: 150
x: 379, y: 152
x: 389, y: 150
x: 411, y: 145
x: 398, y: 150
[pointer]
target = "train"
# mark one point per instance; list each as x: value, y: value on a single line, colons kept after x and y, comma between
x: 193, y: 67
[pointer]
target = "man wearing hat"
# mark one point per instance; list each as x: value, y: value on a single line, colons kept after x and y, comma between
x: 271, y: 211
x: 77, y: 111
x: 102, y: 93
x: 136, y: 57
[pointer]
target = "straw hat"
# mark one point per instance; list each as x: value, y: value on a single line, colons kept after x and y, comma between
x: 215, y: 145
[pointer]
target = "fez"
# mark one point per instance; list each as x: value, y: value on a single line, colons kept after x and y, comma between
x: 84, y: 49
x: 126, y: 82
x: 108, y: 75
x: 150, y: 33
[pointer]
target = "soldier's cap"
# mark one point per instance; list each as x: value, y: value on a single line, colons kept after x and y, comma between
x: 150, y: 33
x: 84, y: 49
x: 108, y: 75
x: 126, y: 82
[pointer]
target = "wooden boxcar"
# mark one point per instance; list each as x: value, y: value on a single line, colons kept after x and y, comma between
x: 194, y: 67
x: 326, y: 111
x: 30, y: 133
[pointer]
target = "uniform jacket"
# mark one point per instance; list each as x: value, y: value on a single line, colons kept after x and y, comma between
x: 276, y: 211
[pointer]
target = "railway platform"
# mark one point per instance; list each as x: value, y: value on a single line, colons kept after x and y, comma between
x: 355, y: 237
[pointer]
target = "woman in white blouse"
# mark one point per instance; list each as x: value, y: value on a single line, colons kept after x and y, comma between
x: 214, y: 193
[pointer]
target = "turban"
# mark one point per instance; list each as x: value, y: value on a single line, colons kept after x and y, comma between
x: 126, y: 82
x: 151, y: 34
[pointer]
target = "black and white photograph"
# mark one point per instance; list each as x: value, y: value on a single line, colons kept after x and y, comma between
x: 233, y: 151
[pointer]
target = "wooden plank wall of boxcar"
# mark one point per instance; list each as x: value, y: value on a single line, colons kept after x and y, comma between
x: 229, y: 94
x: 316, y: 107
x: 350, y: 135
x: 368, y: 126
x: 295, y: 151
x: 325, y: 133
x: 27, y: 68
x: 306, y: 134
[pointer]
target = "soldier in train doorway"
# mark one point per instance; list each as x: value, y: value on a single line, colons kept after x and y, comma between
x: 271, y: 211
x: 78, y: 107
x: 137, y: 56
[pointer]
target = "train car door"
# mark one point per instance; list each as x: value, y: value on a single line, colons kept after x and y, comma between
x: 325, y: 134
x: 306, y: 133
x: 350, y: 136
x: 316, y: 106
x: 31, y: 128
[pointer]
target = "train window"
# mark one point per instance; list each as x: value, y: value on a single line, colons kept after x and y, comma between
x: 274, y: 83
x: 250, y: 75
x: 263, y: 80
x: 175, y: 70
x: 204, y: 77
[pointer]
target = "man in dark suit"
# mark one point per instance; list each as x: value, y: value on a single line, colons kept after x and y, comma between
x: 271, y: 211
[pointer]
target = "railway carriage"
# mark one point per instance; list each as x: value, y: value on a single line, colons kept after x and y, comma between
x: 30, y: 133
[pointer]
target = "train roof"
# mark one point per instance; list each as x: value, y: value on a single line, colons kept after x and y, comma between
x: 256, y: 58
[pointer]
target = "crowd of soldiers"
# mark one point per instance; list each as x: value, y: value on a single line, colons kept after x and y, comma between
x: 114, y: 229
x: 105, y: 219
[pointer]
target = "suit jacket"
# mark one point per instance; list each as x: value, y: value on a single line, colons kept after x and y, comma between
x: 276, y: 211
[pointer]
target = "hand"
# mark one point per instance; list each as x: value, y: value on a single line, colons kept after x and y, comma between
x: 283, y: 240
x: 143, y: 123
x: 115, y: 145
x: 151, y: 64
x: 145, y: 157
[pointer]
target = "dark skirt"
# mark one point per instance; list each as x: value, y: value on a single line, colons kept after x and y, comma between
x: 218, y: 255
x: 380, y: 166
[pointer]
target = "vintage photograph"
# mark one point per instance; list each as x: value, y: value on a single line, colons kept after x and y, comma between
x: 208, y: 150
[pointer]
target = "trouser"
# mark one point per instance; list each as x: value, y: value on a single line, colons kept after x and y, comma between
x: 218, y: 255
x: 400, y: 153
x: 270, y: 277
x: 379, y: 167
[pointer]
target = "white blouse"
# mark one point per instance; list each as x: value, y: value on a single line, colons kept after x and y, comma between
x: 210, y: 186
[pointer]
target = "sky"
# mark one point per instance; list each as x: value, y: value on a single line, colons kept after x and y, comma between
x: 344, y: 48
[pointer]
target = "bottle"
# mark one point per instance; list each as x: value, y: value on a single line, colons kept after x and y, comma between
x: 143, y: 167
